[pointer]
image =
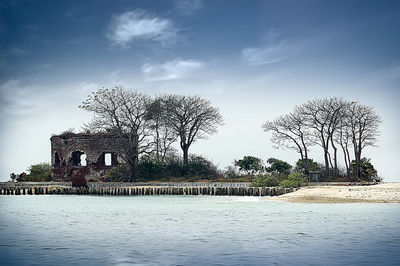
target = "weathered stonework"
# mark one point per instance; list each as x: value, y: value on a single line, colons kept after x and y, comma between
x: 68, y: 152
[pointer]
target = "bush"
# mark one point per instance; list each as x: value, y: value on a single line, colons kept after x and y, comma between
x: 201, y: 168
x: 37, y: 173
x: 266, y: 180
x: 294, y: 180
x: 150, y: 170
x: 172, y: 169
x: 117, y: 174
x: 368, y: 172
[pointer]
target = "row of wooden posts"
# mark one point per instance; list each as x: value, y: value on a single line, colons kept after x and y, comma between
x: 147, y: 190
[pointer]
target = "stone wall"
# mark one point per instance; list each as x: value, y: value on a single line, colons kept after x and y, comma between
x: 90, y: 154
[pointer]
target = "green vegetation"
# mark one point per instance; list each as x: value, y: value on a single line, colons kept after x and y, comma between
x: 172, y: 169
x: 302, y: 166
x: 368, y: 172
x: 282, y: 180
x: 294, y: 180
x: 249, y: 164
x: 276, y: 174
x: 265, y: 180
x: 37, y: 173
x: 278, y: 166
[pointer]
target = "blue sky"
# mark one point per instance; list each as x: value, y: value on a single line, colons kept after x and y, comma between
x: 255, y: 60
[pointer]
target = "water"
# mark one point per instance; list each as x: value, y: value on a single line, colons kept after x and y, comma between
x: 194, y: 230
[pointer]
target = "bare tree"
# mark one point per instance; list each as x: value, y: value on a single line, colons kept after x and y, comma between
x: 191, y: 118
x: 162, y: 134
x: 290, y: 131
x: 123, y: 113
x: 343, y: 138
x: 328, y: 122
x: 323, y: 116
x: 364, y: 126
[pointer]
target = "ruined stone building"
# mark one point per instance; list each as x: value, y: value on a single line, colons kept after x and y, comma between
x: 90, y: 154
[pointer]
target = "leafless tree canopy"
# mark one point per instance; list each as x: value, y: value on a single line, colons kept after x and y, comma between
x: 123, y: 113
x: 191, y: 118
x: 163, y: 135
x: 331, y: 123
x: 146, y: 126
x: 289, y: 131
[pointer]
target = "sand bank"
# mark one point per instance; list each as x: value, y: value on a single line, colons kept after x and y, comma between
x: 381, y: 193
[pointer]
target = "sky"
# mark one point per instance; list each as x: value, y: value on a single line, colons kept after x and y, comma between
x: 254, y: 60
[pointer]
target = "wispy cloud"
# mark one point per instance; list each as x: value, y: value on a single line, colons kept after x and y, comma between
x: 175, y: 69
x: 16, y: 51
x: 188, y: 7
x: 392, y: 72
x: 86, y: 87
x: 43, y: 66
x: 14, y: 97
x: 275, y: 50
x: 129, y: 27
x: 76, y: 14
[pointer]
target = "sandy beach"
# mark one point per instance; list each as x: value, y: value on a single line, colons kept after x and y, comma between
x: 381, y: 193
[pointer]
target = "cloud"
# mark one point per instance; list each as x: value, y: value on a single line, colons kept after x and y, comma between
x: 132, y: 26
x: 389, y: 73
x: 19, y: 51
x: 43, y: 66
x: 261, y: 56
x: 188, y: 7
x: 15, y: 97
x: 76, y: 14
x: 175, y: 69
x: 85, y: 88
x: 275, y: 50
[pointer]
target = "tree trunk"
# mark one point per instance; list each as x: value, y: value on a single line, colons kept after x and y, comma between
x: 326, y: 158
x: 157, y: 144
x: 335, y: 169
x: 358, y: 165
x: 133, y: 170
x: 185, y: 149
x: 346, y: 161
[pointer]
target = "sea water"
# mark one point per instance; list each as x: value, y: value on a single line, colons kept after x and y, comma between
x: 194, y: 230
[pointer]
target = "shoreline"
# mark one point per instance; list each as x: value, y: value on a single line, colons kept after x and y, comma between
x: 380, y: 193
x: 325, y: 194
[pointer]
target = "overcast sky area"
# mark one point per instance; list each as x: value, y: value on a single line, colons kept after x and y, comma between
x: 255, y: 60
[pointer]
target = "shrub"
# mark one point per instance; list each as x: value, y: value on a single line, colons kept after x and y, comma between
x: 172, y: 169
x: 37, y: 173
x: 201, y: 167
x: 117, y: 174
x: 150, y: 170
x: 294, y: 180
x: 368, y: 172
x: 266, y: 180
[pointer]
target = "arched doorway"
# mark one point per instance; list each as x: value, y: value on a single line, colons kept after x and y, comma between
x: 78, y: 158
x: 107, y: 159
x: 56, y: 159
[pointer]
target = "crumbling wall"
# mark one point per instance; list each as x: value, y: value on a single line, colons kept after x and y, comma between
x: 68, y: 152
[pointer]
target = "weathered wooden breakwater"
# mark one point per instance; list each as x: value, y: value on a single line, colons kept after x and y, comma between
x: 215, y: 189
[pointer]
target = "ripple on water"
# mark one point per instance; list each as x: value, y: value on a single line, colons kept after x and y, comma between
x: 177, y: 230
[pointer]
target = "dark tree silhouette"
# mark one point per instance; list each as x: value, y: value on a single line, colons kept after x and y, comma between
x: 191, y: 118
x: 123, y: 113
